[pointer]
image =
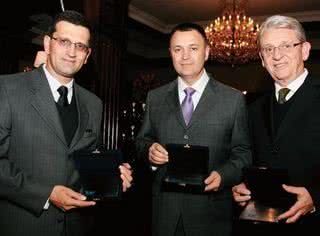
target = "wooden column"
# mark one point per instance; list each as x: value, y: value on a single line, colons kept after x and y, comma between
x: 110, y: 19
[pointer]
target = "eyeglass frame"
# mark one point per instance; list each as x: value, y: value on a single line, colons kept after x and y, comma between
x: 283, y: 48
x: 80, y: 47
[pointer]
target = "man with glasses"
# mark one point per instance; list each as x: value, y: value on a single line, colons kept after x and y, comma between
x: 45, y: 116
x: 285, y: 125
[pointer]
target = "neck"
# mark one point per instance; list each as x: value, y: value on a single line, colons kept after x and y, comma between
x: 190, y: 80
x: 286, y: 82
x: 62, y: 79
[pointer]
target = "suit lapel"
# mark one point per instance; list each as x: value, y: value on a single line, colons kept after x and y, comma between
x: 172, y: 100
x: 44, y: 104
x: 268, y: 115
x: 303, y: 100
x: 206, y: 102
x: 83, y: 116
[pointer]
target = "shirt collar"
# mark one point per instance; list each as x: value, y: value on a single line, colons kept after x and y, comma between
x: 199, y: 85
x: 55, y: 84
x: 294, y: 85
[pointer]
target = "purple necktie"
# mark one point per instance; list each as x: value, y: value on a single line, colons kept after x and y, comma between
x: 187, y: 104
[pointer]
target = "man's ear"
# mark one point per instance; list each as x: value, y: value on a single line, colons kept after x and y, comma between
x: 207, y: 52
x: 87, y: 56
x: 46, y: 43
x: 306, y: 47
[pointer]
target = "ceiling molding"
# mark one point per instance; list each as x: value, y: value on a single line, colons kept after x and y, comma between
x: 305, y: 16
x: 155, y: 23
x: 149, y: 48
x: 147, y: 19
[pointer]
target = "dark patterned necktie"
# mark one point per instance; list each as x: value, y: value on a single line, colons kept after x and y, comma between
x: 63, y: 99
x: 187, y: 104
x: 282, y: 95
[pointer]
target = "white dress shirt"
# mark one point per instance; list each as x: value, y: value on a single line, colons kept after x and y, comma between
x: 293, y: 86
x: 55, y: 84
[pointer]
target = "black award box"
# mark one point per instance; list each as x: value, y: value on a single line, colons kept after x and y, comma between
x: 187, y: 168
x: 99, y: 174
x: 268, y: 198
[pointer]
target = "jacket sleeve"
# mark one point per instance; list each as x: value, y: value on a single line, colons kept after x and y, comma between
x: 240, y: 147
x: 17, y: 186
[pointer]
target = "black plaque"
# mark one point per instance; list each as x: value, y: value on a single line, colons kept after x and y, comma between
x: 268, y: 198
x: 187, y: 168
x: 257, y: 212
x: 99, y: 174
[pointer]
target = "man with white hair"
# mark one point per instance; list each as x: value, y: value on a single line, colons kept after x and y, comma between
x: 285, y: 127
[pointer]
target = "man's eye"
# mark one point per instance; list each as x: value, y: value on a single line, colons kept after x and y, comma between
x: 194, y: 49
x: 270, y: 49
x: 286, y: 46
x: 65, y: 41
x: 80, y: 46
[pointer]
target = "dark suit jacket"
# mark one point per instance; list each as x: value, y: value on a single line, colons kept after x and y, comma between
x: 295, y: 146
x: 219, y: 122
x: 34, y: 155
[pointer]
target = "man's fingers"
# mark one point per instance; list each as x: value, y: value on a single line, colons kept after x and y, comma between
x: 66, y: 199
x: 126, y: 176
x: 158, y: 154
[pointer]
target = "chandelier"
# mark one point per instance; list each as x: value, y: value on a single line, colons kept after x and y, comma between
x: 232, y: 37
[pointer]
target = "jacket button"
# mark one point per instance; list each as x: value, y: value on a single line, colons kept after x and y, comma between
x: 186, y: 136
x: 60, y: 219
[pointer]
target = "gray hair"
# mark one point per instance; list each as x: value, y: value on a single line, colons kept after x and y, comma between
x: 282, y: 22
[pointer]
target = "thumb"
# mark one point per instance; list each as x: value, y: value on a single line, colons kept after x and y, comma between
x: 289, y: 189
x: 76, y: 195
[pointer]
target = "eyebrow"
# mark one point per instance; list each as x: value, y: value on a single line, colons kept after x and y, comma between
x: 68, y: 38
x: 283, y: 42
x: 189, y: 45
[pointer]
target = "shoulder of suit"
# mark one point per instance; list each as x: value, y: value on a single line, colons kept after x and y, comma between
x: 260, y: 100
x: 313, y: 80
x: 16, y: 79
x: 223, y: 87
x: 164, y: 88
x: 88, y: 94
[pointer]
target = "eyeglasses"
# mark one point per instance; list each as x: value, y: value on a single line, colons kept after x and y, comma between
x: 283, y: 48
x: 66, y: 43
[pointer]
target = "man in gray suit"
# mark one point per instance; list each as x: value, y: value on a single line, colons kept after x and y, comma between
x: 219, y: 122
x: 40, y: 129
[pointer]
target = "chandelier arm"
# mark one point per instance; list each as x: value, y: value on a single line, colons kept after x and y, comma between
x: 232, y: 37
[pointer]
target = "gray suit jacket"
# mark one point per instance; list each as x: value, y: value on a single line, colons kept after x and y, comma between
x: 219, y: 122
x: 34, y: 155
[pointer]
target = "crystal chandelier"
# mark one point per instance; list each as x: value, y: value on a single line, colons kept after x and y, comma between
x: 232, y: 37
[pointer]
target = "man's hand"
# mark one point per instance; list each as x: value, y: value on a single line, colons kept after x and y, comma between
x: 126, y: 176
x: 302, y: 206
x: 67, y: 199
x: 158, y: 155
x: 241, y: 194
x: 212, y: 182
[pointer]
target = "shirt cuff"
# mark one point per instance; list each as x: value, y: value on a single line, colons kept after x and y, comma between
x: 154, y: 168
x: 313, y: 210
x: 46, y: 206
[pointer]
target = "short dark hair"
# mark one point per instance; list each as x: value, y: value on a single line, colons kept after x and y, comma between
x: 72, y: 17
x: 188, y: 26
